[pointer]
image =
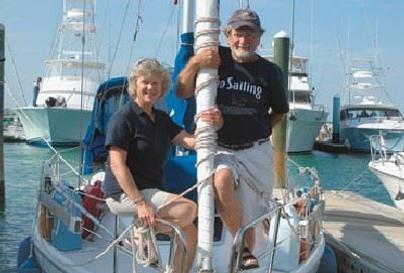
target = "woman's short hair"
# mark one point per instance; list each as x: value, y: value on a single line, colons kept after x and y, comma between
x: 147, y: 67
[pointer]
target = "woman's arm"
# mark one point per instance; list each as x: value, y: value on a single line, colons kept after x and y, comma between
x: 122, y: 174
x: 145, y: 213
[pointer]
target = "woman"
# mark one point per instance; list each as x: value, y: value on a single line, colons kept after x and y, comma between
x: 138, y: 141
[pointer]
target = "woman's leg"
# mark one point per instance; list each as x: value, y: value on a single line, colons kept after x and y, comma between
x: 182, y: 213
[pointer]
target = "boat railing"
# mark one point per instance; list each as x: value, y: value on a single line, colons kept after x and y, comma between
x: 144, y: 258
x: 378, y: 150
x: 239, y: 239
x: 70, y: 211
x: 282, y: 224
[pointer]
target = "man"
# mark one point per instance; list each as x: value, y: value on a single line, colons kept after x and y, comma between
x: 37, y: 89
x: 252, y: 99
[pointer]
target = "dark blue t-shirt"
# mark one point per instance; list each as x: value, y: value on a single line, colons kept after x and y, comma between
x: 147, y: 144
x: 246, y: 92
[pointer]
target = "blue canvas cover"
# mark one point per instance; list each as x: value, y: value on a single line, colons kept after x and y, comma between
x: 111, y: 96
x: 182, y: 111
x: 180, y: 171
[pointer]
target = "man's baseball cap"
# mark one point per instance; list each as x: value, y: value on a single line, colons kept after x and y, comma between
x: 245, y: 17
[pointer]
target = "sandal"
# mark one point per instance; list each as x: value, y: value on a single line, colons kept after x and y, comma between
x: 249, y: 261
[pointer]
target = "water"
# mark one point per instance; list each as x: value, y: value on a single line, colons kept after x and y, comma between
x: 23, y: 168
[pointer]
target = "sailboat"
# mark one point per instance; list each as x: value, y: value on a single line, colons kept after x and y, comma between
x: 75, y: 232
x: 61, y: 110
x: 367, y: 110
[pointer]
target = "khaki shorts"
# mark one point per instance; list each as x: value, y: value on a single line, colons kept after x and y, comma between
x: 253, y: 177
x: 126, y: 207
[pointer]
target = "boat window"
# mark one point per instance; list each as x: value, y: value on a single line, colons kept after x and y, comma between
x: 374, y: 113
x: 342, y: 115
x: 390, y: 113
x: 297, y: 96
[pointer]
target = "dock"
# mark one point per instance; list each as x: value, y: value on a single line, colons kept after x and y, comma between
x: 366, y: 236
x: 330, y: 147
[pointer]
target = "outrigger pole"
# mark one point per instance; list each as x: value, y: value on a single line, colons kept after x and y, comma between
x: 206, y: 35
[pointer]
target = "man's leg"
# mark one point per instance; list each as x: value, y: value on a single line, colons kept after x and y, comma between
x: 227, y: 203
x: 229, y: 208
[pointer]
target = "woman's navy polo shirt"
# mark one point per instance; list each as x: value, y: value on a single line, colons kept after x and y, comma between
x: 147, y: 144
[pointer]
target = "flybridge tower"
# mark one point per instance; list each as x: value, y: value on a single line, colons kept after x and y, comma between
x: 74, y: 69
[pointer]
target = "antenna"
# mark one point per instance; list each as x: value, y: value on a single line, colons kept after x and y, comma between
x: 292, y: 43
x: 242, y: 6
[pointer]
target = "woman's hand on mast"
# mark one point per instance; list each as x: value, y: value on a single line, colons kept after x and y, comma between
x: 212, y: 116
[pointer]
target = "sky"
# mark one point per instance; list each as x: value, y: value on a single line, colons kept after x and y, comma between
x: 324, y: 31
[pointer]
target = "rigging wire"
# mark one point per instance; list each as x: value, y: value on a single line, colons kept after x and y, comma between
x: 83, y: 45
x: 119, y: 38
x: 139, y: 21
x: 163, y: 35
x: 14, y: 65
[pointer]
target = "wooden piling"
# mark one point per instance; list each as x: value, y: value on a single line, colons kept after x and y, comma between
x: 2, y: 61
x: 281, y: 58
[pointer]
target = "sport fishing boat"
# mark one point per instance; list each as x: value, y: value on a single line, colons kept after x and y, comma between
x: 305, y: 118
x: 12, y: 128
x: 389, y: 168
x: 62, y: 108
x: 75, y: 232
x: 368, y: 111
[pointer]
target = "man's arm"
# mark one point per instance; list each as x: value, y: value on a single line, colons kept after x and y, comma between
x: 205, y: 58
x: 275, y: 118
x: 185, y: 84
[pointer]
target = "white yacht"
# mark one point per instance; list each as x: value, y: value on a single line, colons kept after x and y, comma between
x: 12, y: 128
x: 61, y: 110
x: 305, y: 118
x: 367, y: 110
x: 389, y: 168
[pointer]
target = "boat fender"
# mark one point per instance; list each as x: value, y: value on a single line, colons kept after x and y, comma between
x: 304, y: 234
x: 29, y: 266
x: 328, y: 263
x: 92, y: 206
x: 50, y: 101
x: 24, y: 250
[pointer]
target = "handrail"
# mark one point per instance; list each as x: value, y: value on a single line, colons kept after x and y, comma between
x: 176, y: 233
x: 239, y: 239
x: 51, y: 172
x: 377, y: 147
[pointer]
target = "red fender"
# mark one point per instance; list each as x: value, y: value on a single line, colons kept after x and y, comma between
x: 92, y: 205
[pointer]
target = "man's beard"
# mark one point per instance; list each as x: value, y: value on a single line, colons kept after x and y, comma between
x: 243, y: 54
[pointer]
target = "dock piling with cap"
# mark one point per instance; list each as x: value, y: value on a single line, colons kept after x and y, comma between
x: 2, y: 60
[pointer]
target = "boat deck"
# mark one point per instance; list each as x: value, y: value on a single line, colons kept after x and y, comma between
x: 367, y: 236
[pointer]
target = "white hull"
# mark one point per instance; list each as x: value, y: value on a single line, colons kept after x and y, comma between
x: 303, y: 127
x: 392, y: 176
x: 83, y: 261
x: 59, y: 126
x: 358, y: 132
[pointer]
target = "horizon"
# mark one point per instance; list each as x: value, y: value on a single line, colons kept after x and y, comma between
x: 325, y: 31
